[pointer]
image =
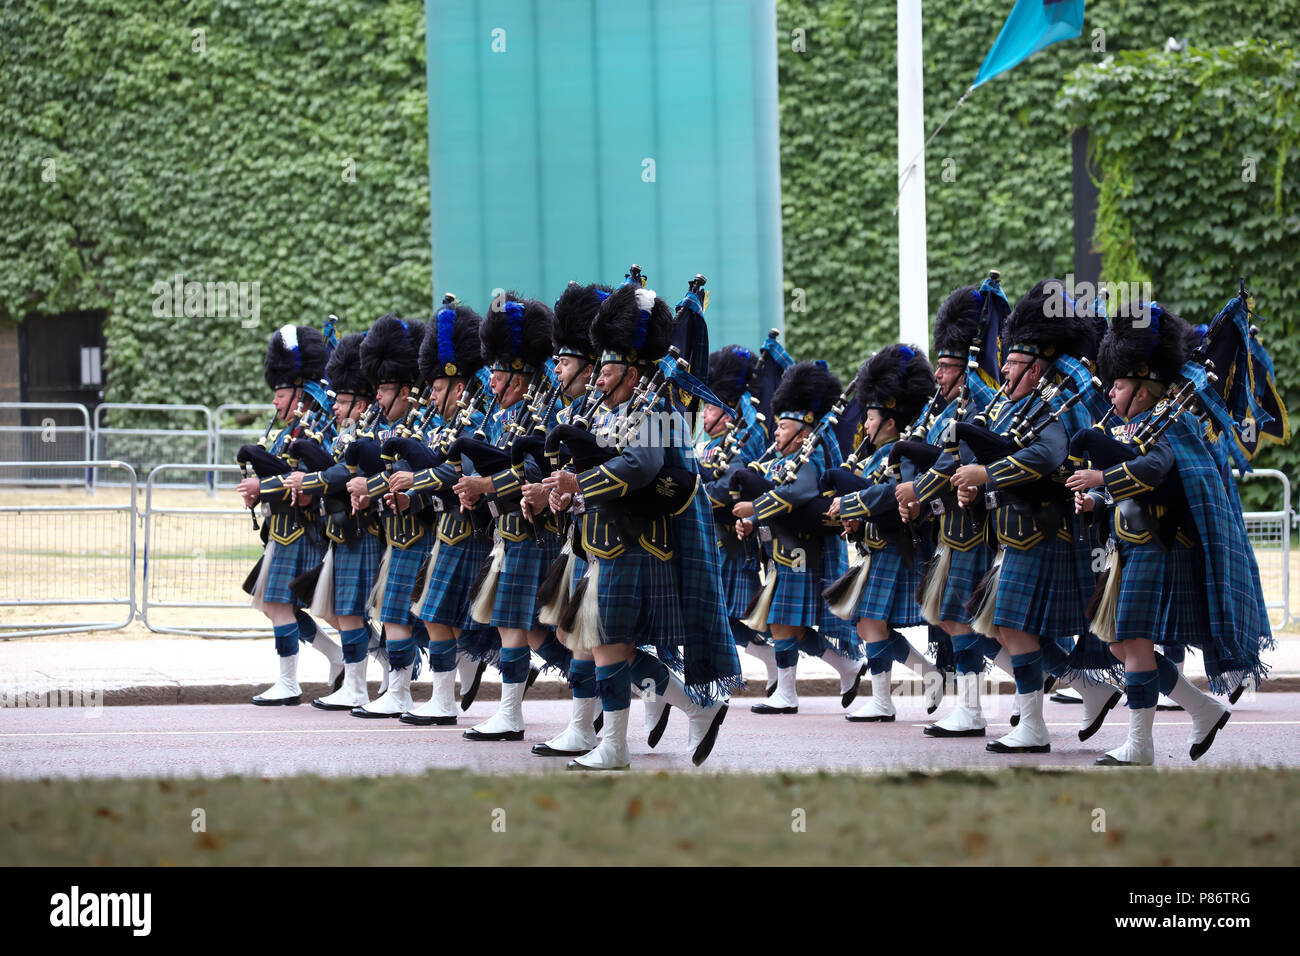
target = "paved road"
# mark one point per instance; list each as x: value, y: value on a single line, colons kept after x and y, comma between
x: 213, y: 740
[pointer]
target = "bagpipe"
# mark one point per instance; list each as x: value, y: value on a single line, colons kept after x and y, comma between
x: 417, y: 449
x: 491, y: 457
x: 749, y: 483
x: 737, y: 436
x: 670, y: 490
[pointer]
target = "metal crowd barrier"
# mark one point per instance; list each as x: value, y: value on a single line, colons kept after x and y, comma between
x: 50, y: 441
x: 195, y: 561
x: 226, y: 441
x: 146, y: 448
x: 1270, y: 536
x: 67, y: 555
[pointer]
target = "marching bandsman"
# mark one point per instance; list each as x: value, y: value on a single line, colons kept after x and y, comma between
x: 1155, y: 591
x: 356, y: 542
x: 732, y: 444
x: 892, y: 389
x: 390, y: 361
x: 962, y: 557
x: 805, y: 555
x: 451, y: 355
x: 653, y: 577
x: 1030, y: 599
x: 575, y: 362
x: 295, y: 355
x: 516, y: 337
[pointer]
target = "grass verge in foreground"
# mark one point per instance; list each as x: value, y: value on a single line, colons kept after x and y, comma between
x: 1140, y: 817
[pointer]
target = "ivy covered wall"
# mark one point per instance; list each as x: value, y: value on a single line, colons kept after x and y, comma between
x: 285, y: 145
x: 276, y: 144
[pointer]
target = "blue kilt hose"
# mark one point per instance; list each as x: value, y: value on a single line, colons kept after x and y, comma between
x: 637, y: 601
x: 400, y: 584
x: 522, y: 569
x: 889, y: 593
x: 964, y: 573
x: 1038, y: 591
x: 451, y: 576
x: 356, y: 566
x: 287, y: 562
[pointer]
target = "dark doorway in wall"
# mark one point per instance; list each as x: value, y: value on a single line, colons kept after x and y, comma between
x: 61, y: 359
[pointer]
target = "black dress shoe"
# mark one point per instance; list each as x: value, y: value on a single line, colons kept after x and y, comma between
x: 1236, y: 694
x: 934, y: 730
x: 1048, y: 683
x: 770, y: 689
x: 418, y: 720
x: 369, y: 715
x: 499, y: 735
x: 874, y: 719
x: 1169, y: 707
x: 338, y: 682
x: 850, y: 695
x: 467, y: 695
x: 1198, y: 750
x: 769, y: 709
x: 532, y: 677
x: 282, y: 702
x: 998, y: 747
x: 657, y: 731
x: 1106, y: 760
x: 599, y: 722
x: 542, y: 750
x: 705, y: 746
x: 1015, y: 719
x: 1095, y: 726
x: 1064, y: 699
x: 319, y: 706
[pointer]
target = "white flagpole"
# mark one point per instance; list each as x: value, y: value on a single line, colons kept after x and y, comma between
x: 913, y: 298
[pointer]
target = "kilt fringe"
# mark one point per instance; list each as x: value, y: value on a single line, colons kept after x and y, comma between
x: 983, y: 602
x: 553, y: 594
x: 254, y: 577
x: 376, y: 599
x: 322, y: 598
x: 580, y: 620
x: 843, y: 595
x: 1104, y: 605
x: 756, y: 615
x: 426, y: 574
x: 485, y: 585
x: 263, y: 568
x: 930, y: 594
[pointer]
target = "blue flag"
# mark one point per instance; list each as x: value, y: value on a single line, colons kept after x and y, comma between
x: 1033, y: 25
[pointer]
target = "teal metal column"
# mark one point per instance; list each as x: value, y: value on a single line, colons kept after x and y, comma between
x: 571, y: 138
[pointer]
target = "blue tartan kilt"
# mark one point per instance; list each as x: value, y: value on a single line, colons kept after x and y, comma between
x: 403, y: 577
x: 1189, y: 610
x: 1160, y: 598
x: 448, y: 599
x: 890, y: 591
x: 964, y: 573
x: 638, y: 601
x: 1038, y: 591
x: 739, y: 585
x: 289, y: 561
x: 522, y: 569
x: 355, y: 568
x: 797, y: 601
